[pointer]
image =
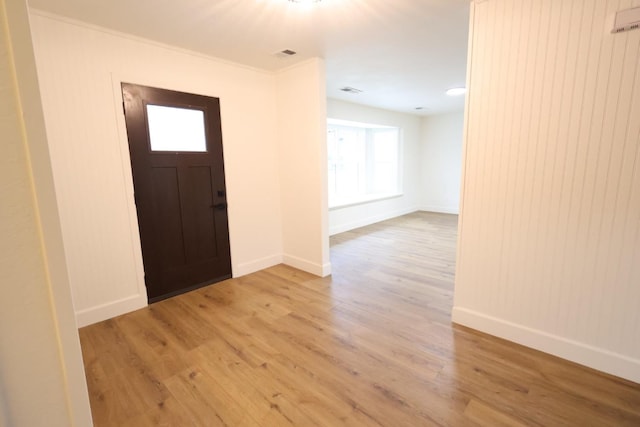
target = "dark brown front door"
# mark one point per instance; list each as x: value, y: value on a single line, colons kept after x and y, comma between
x: 175, y: 142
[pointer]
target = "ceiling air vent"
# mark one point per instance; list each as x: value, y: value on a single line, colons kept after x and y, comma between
x: 284, y: 54
x: 349, y: 89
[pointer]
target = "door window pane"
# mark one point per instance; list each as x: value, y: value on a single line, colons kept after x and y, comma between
x: 176, y: 129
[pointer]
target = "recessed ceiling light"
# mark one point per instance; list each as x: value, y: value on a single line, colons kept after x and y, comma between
x: 304, y: 1
x: 457, y: 91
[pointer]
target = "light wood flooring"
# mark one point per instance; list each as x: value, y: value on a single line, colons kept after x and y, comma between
x: 371, y: 346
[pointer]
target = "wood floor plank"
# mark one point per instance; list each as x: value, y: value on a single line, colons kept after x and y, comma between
x: 206, y: 400
x: 373, y: 345
x: 487, y: 416
x: 168, y: 413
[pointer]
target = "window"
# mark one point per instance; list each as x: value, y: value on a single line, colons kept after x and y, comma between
x: 363, y: 162
x: 176, y: 129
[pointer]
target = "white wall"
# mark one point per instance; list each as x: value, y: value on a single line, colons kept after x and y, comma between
x: 441, y: 162
x: 303, y: 170
x: 41, y: 376
x: 80, y: 69
x: 350, y: 217
x: 549, y: 242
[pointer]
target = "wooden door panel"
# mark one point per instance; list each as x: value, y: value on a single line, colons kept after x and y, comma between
x: 199, y: 211
x: 165, y: 245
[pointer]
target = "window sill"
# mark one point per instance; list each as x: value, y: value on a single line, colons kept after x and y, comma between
x: 365, y: 200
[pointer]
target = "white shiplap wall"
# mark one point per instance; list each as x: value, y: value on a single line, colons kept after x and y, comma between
x: 549, y: 244
x: 80, y: 68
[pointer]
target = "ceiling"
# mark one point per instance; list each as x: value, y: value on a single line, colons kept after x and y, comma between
x: 402, y: 54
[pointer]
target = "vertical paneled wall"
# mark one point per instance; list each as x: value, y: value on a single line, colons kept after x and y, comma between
x: 549, y: 244
x: 80, y: 69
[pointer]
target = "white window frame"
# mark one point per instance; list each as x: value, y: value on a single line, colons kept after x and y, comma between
x: 368, y: 198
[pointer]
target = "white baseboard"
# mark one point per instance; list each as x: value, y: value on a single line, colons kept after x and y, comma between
x: 593, y: 357
x: 440, y: 209
x: 321, y: 270
x: 135, y: 302
x: 112, y: 309
x: 326, y: 270
x: 260, y: 264
x: 362, y: 222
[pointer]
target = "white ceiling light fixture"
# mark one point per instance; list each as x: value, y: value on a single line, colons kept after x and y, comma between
x: 457, y: 91
x: 305, y: 1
